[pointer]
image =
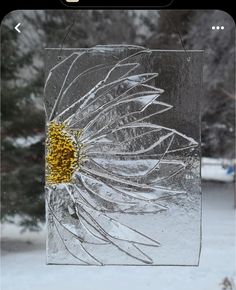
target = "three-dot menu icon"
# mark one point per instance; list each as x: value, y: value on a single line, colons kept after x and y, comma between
x: 217, y: 27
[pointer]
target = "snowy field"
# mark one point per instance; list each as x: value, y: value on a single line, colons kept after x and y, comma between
x: 23, y: 258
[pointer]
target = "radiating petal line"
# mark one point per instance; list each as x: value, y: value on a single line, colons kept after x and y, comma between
x: 90, y: 255
x: 110, y: 85
x: 92, y: 69
x: 144, y: 239
x: 131, y: 182
x: 80, y: 239
x: 129, y: 207
x: 93, y: 91
x: 110, y: 239
x: 99, y: 112
x: 142, y: 107
x: 101, y: 230
x: 57, y: 65
x: 168, y: 177
x: 113, y: 178
x: 151, y: 196
x: 87, y: 98
x: 155, y: 180
x: 57, y: 100
x: 107, y: 129
x: 96, y: 87
x: 161, y: 139
x: 102, y: 209
x: 79, y: 215
x: 105, y: 241
x: 119, y: 191
x: 133, y: 177
x: 117, y: 201
x: 149, y: 258
x: 64, y: 60
x: 67, y: 248
x: 50, y: 74
x: 134, y: 125
x: 161, y: 158
x: 105, y: 93
x: 131, y: 98
x: 61, y: 95
x: 155, y: 144
x: 137, y: 195
x: 109, y: 177
x: 168, y: 107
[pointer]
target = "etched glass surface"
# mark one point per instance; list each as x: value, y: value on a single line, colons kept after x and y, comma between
x: 122, y: 156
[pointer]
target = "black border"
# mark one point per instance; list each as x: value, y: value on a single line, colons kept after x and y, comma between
x: 8, y: 6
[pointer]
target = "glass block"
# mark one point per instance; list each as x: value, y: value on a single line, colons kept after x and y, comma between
x: 123, y: 156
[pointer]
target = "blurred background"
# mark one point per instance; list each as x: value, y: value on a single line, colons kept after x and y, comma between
x: 22, y: 120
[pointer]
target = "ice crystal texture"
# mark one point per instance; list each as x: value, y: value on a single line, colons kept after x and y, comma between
x: 127, y: 188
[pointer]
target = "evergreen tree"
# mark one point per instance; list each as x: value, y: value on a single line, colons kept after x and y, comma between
x: 22, y: 163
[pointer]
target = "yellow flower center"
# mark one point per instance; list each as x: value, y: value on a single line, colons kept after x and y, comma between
x: 62, y: 156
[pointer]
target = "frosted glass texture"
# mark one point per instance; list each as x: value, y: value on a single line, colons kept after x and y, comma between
x: 123, y: 156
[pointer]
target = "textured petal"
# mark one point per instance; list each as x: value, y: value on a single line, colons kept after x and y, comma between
x: 97, y: 195
x: 150, y: 171
x: 78, y: 88
x: 106, y: 227
x: 67, y: 219
x: 55, y: 81
x: 139, y: 139
x: 94, y: 169
x: 68, y: 75
x: 116, y: 112
x: 108, y: 95
x: 119, y: 231
x: 122, y: 68
x: 69, y: 236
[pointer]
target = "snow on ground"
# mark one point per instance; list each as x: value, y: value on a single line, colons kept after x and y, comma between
x: 218, y: 169
x: 24, y: 268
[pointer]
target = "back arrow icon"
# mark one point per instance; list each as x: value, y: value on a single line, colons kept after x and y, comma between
x: 17, y: 27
